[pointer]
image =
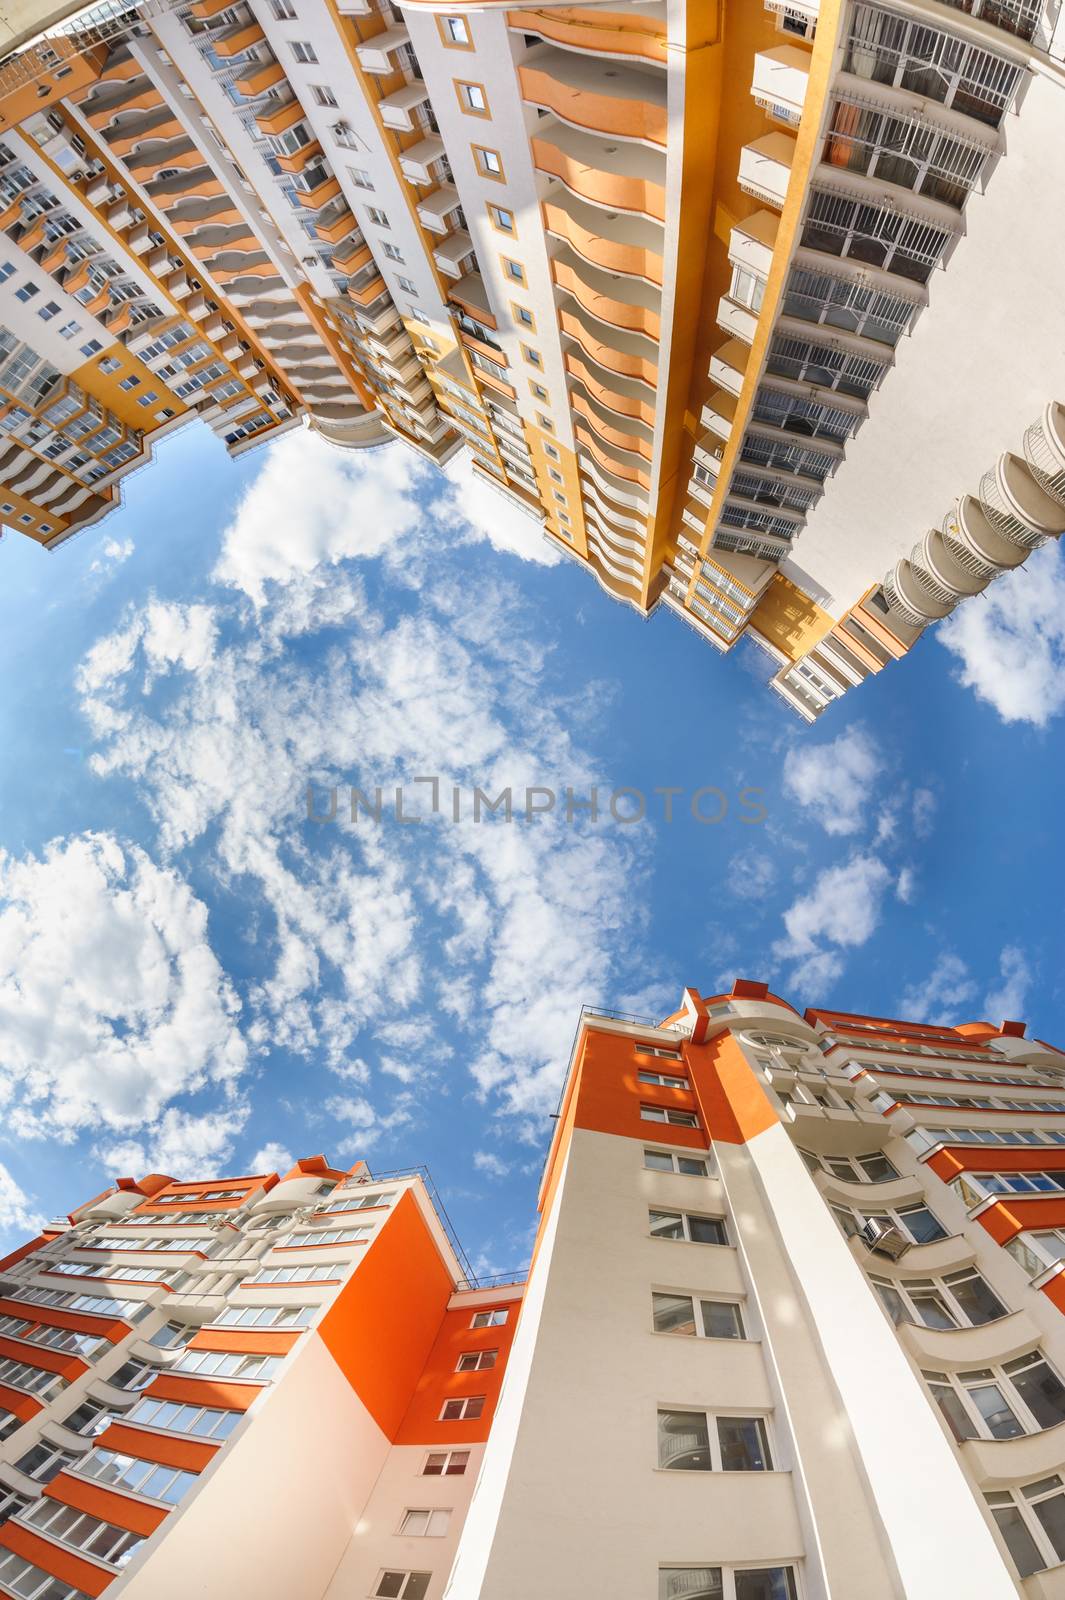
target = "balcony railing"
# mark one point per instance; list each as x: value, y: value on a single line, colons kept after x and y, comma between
x: 908, y: 54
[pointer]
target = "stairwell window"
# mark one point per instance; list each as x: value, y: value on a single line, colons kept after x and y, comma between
x: 426, y: 1524
x: 1031, y: 1521
x: 402, y: 1586
x: 489, y: 1319
x: 303, y: 51
x: 472, y: 98
x: 467, y: 1409
x: 476, y: 1360
x: 674, y: 1161
x: 323, y: 94
x: 677, y: 1119
x: 284, y: 10
x: 446, y: 1463
x: 726, y: 1583
x: 696, y: 1318
x: 489, y: 163
x: 683, y: 1225
x: 454, y: 32
x: 693, y: 1441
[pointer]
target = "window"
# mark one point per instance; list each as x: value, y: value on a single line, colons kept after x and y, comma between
x: 132, y: 382
x: 303, y: 51
x: 692, y: 1441
x: 315, y: 1274
x: 531, y: 356
x: 284, y: 10
x: 320, y: 1236
x: 140, y: 1477
x: 44, y: 1462
x: 472, y: 98
x: 857, y: 1169
x: 91, y: 1417
x: 376, y: 215
x: 27, y: 291
x: 455, y: 31
x: 683, y: 1225
x: 47, y: 312
x: 1023, y: 1396
x: 489, y: 163
x: 696, y: 1318
x: 489, y: 1319
x: 228, y: 1364
x: 361, y: 1202
x: 323, y: 94
x: 360, y: 177
x: 549, y: 450
x: 69, y: 330
x: 265, y: 1317
x: 523, y: 315
x: 960, y: 1299
x: 1031, y: 1520
x: 393, y: 252
x: 446, y: 1463
x: 402, y: 1585
x: 407, y: 286
x: 465, y: 1410
x: 545, y: 422
x: 725, y: 1583
x: 501, y: 218
x: 915, y: 1222
x: 6, y: 269
x: 150, y: 397
x: 82, y: 1531
x: 21, y: 1577
x: 662, y: 1078
x: 425, y: 1524
x: 678, y: 1119
x: 110, y: 364
x: 540, y: 393
x: 513, y: 270
x: 476, y: 1360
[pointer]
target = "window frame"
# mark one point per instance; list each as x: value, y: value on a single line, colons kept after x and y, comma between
x: 477, y: 151
x: 447, y: 40
x: 698, y: 1301
x: 485, y: 112
x: 713, y: 1418
x: 686, y: 1218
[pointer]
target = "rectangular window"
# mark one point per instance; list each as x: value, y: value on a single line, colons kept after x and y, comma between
x: 360, y: 177
x: 132, y: 382
x: 692, y: 1441
x: 677, y: 1119
x: 489, y: 163
x: 6, y: 269
x: 531, y: 356
x: 513, y: 270
x: 27, y: 291
x: 69, y: 330
x: 402, y: 1586
x: 501, y: 218
x: 663, y: 1079
x: 91, y: 348
x: 683, y: 1225
x: 696, y: 1318
x: 407, y: 286
x: 427, y: 1524
x: 455, y: 31
x: 303, y: 51
x: 476, y: 1360
x: 47, y: 312
x: 464, y: 1410
x: 284, y: 10
x: 472, y: 98
x: 446, y: 1463
x: 323, y: 94
x: 393, y: 252
x: 489, y: 1319
x: 377, y: 216
x: 110, y: 364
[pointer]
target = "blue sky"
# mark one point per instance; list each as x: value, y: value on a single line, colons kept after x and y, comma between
x: 196, y: 978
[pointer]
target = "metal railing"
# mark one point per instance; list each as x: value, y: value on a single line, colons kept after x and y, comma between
x: 105, y: 23
x: 470, y: 1279
x: 908, y: 54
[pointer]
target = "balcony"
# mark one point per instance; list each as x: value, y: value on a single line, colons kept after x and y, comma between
x: 719, y: 413
x: 452, y: 255
x: 597, y: 94
x: 597, y: 293
x: 624, y: 244
x: 736, y: 319
x: 1044, y: 451
x: 977, y: 543
x: 627, y: 354
x: 620, y: 178
x: 375, y: 55
x: 911, y: 598
x: 397, y: 110
x: 623, y: 30
x: 416, y: 163
x: 435, y: 210
x: 1017, y: 506
x: 765, y: 167
x: 234, y: 41
x: 752, y: 242
x: 780, y: 79
x: 728, y: 365
x: 943, y: 572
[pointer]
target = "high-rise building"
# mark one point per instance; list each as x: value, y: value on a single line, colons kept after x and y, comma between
x: 793, y: 1329
x: 748, y: 305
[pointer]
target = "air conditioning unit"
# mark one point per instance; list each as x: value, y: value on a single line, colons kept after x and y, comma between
x: 884, y: 1240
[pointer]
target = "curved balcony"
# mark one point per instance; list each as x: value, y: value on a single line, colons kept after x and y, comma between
x: 870, y: 1196
x: 624, y: 32
x: 189, y: 215
x: 961, y: 1349
x: 1004, y: 1462
x: 615, y: 488
x: 624, y: 353
x: 197, y: 183
x: 910, y: 598
x: 941, y: 571
x: 1017, y: 506
x: 291, y: 1194
x: 611, y: 459
x: 611, y: 523
x: 1044, y: 451
x: 156, y: 154
x: 624, y: 244
x: 976, y: 544
x: 597, y: 94
x: 616, y: 588
x: 624, y: 567
x: 592, y: 289
x: 626, y: 177
x: 211, y: 236
x: 922, y: 1260
x: 129, y: 128
x: 639, y: 443
x: 618, y: 394
x: 137, y: 94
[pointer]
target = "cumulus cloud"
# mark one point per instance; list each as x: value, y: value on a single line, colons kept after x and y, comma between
x: 923, y: 809
x: 112, y: 1002
x: 18, y: 1214
x: 841, y: 909
x: 1006, y: 1000
x: 182, y: 1144
x: 752, y: 874
x: 836, y: 781
x: 492, y: 1165
x: 906, y: 886
x: 941, y: 994
x: 488, y: 515
x: 113, y: 552
x: 1009, y: 643
x: 272, y: 1157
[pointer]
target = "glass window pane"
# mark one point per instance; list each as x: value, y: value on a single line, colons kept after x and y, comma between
x: 744, y: 1446
x: 1051, y: 1514
x: 893, y: 1302
x: 990, y: 1402
x: 390, y: 1586
x: 958, y: 1419
x: 707, y: 1230
x: 416, y: 1586
x: 690, y: 1583
x: 658, y: 1161
x: 673, y: 1313
x: 721, y: 1319
x: 690, y: 1167
x: 977, y: 1299
x: 1042, y: 1391
x: 766, y: 1583
x: 1019, y: 1542
x: 683, y: 1441
x: 878, y: 1169
x: 922, y: 1225
x: 932, y: 1309
x: 666, y: 1225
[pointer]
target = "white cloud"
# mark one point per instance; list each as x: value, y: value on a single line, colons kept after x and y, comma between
x: 836, y: 781
x: 18, y: 1213
x: 181, y: 1144
x: 938, y: 996
x: 273, y: 1157
x: 752, y: 874
x: 490, y: 515
x: 111, y: 1000
x: 113, y: 553
x: 493, y: 1165
x: 924, y: 812
x: 842, y: 908
x: 1007, y: 1001
x: 1010, y: 641
x: 906, y: 886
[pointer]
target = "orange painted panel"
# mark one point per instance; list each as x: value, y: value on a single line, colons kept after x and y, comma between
x: 249, y: 1341
x: 947, y: 1163
x: 136, y: 1515
x: 24, y: 1250
x: 734, y: 1103
x: 610, y: 1094
x: 440, y: 1381
x: 77, y: 1321
x: 191, y: 1455
x: 1006, y: 1218
x: 19, y: 1404
x: 381, y: 1327
x: 52, y: 1558
x: 38, y: 1356
x: 204, y: 1392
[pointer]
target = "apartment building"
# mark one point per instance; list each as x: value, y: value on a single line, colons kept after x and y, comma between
x: 715, y: 291
x: 793, y: 1329
x: 277, y: 1384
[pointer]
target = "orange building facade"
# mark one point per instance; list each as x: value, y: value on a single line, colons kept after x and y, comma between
x: 792, y: 1329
